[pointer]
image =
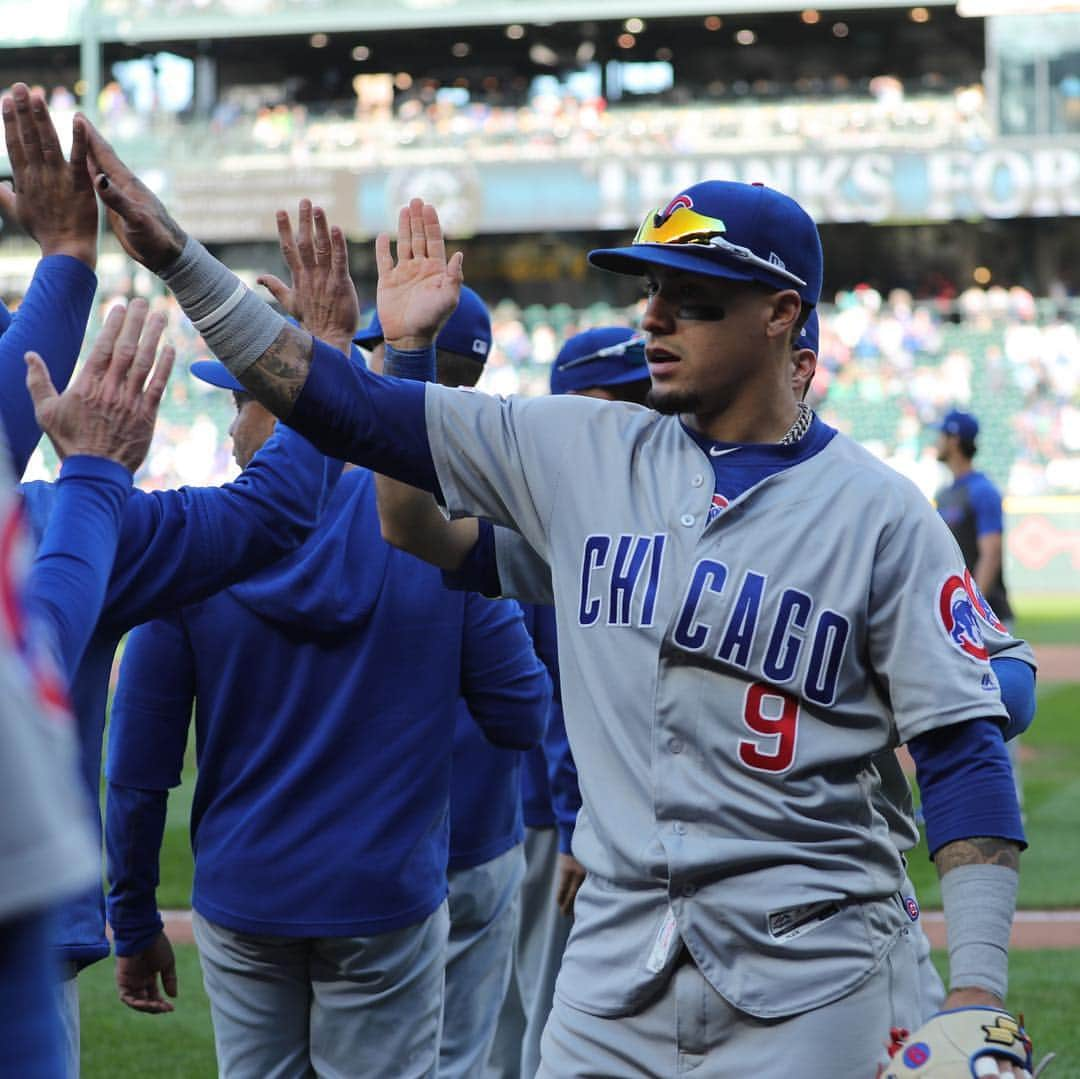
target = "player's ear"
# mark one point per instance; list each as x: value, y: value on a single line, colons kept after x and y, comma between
x: 803, y: 369
x: 784, y: 315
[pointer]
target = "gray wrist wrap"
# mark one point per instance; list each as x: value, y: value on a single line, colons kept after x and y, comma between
x: 979, y: 901
x: 237, y: 326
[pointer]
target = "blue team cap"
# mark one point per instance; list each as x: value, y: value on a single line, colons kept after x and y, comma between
x: 607, y: 356
x: 962, y: 424
x: 719, y: 228
x: 468, y: 331
x: 809, y: 334
x: 216, y: 374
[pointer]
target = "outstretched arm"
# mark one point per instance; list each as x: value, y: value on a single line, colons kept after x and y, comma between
x: 53, y: 201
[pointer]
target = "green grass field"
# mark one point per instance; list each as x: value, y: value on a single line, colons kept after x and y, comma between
x: 1044, y: 985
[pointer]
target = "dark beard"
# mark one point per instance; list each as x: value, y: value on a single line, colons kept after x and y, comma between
x: 673, y: 403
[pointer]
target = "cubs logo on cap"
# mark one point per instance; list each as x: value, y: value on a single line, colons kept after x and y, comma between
x: 959, y: 618
x: 719, y: 228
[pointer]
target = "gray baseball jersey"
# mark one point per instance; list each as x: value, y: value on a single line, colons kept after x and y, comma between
x: 46, y: 846
x: 726, y: 686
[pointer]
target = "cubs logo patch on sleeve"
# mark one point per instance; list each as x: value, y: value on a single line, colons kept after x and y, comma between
x: 959, y: 618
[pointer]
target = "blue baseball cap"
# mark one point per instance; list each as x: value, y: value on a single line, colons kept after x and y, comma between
x: 809, y: 335
x: 719, y: 228
x: 607, y: 356
x: 217, y: 374
x: 468, y: 331
x: 962, y: 424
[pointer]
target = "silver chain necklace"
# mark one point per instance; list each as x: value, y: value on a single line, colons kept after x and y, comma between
x: 800, y: 426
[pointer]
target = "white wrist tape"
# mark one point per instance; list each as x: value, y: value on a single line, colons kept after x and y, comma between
x: 979, y: 902
x: 237, y: 326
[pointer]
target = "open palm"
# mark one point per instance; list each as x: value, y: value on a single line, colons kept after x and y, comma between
x: 418, y: 293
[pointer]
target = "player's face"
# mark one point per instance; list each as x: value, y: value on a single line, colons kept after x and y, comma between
x: 943, y: 446
x: 707, y: 338
x: 251, y: 427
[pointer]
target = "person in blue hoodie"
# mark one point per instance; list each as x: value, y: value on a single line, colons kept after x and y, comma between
x: 46, y: 839
x: 487, y: 800
x: 320, y: 817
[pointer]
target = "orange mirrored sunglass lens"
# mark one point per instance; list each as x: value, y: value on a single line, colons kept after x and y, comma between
x: 683, y: 225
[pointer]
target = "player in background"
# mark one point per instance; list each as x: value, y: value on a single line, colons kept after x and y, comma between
x: 100, y: 427
x: 681, y: 846
x: 320, y: 814
x: 487, y: 828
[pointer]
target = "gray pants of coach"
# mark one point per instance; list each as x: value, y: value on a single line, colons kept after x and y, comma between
x: 689, y: 1029
x: 483, y: 923
x: 332, y: 1007
x: 538, y: 952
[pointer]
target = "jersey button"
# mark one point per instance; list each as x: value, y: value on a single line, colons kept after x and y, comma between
x: 697, y: 481
x: 687, y: 519
x: 675, y: 744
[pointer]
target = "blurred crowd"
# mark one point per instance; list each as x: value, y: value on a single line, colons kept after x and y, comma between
x: 888, y: 368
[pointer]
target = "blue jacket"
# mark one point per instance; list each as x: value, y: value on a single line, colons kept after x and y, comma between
x: 175, y: 547
x: 327, y: 689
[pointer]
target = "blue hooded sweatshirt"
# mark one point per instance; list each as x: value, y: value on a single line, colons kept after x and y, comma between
x: 175, y: 547
x: 327, y: 691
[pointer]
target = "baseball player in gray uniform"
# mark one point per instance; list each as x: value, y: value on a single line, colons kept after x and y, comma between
x: 728, y: 676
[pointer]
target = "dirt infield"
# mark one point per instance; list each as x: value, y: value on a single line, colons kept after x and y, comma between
x: 1058, y: 929
x: 1058, y: 662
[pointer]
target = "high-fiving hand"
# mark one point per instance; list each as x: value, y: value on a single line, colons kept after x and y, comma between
x: 418, y: 293
x: 111, y: 406
x: 52, y: 199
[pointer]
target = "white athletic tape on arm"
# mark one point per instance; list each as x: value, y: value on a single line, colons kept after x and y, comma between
x: 979, y: 902
x: 238, y: 327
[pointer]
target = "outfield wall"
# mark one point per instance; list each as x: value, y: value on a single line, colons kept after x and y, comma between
x: 1042, y: 544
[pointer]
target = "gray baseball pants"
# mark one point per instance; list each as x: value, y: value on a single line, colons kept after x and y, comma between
x: 691, y: 1030
x: 483, y: 923
x: 332, y: 1007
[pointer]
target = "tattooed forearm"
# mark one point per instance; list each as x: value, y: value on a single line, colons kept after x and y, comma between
x: 984, y: 850
x: 279, y: 374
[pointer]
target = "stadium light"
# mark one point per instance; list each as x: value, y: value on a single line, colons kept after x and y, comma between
x: 919, y: 14
x: 626, y: 41
x: 361, y: 53
x: 713, y: 22
x: 515, y: 32
x: 634, y: 26
x: 318, y: 41
x: 811, y: 17
x: 746, y: 37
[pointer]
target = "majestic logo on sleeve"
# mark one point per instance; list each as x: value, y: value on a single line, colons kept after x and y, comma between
x: 956, y: 607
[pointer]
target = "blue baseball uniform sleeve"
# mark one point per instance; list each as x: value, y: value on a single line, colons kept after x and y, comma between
x: 67, y: 583
x: 505, y: 686
x: 147, y: 738
x: 1017, y: 681
x: 51, y: 320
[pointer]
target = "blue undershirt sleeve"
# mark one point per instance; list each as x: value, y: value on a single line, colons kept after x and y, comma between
x: 986, y: 504
x: 966, y: 784
x: 147, y: 739
x: 5, y: 318
x: 1017, y: 681
x: 372, y: 420
x: 505, y: 686
x: 479, y: 572
x: 51, y: 320
x: 65, y: 589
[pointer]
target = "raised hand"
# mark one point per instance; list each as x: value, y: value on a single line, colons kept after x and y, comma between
x: 141, y: 223
x: 322, y: 297
x: 52, y: 199
x: 110, y: 408
x: 418, y: 294
x: 137, y: 977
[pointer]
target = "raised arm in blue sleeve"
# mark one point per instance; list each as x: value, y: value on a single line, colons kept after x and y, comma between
x: 505, y: 686
x: 147, y: 737
x: 562, y: 772
x: 66, y: 586
x: 479, y: 572
x: 51, y: 320
x: 177, y: 547
x: 372, y: 420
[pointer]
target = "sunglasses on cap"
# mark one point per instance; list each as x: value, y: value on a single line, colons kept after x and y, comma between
x: 620, y: 348
x: 685, y: 227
